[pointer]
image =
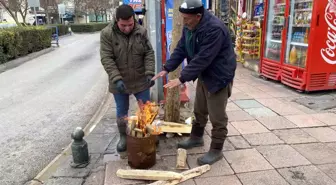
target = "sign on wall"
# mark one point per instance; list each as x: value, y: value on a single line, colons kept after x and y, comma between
x: 137, y: 5
x: 34, y: 3
x: 61, y: 9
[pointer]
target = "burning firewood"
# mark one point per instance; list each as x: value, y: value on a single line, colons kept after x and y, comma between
x: 139, y: 132
x: 138, y: 125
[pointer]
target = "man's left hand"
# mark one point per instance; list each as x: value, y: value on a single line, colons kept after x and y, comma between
x: 173, y: 83
x: 149, y: 79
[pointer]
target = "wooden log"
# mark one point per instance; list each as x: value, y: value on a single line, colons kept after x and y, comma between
x: 139, y: 133
x: 132, y: 124
x: 149, y: 129
x: 189, y: 174
x: 173, y: 124
x: 133, y: 133
x: 148, y: 175
x: 173, y: 128
x: 138, y: 130
x: 181, y: 159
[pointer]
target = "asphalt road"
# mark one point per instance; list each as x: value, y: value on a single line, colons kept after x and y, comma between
x: 43, y: 100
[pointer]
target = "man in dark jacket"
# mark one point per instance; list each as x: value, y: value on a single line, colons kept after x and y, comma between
x: 206, y: 43
x: 128, y: 59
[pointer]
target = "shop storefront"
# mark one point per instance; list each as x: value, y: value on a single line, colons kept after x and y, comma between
x: 299, y: 44
x: 246, y: 26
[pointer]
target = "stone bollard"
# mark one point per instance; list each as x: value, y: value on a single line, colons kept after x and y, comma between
x: 79, y: 148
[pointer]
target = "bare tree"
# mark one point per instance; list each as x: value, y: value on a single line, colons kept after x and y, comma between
x: 50, y: 7
x: 99, y: 7
x: 80, y: 8
x: 15, y: 8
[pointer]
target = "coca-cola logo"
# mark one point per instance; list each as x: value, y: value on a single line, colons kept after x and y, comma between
x: 328, y: 53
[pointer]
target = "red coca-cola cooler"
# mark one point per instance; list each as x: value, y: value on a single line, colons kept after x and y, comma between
x: 299, y: 44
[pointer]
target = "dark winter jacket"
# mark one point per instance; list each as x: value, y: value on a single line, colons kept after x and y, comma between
x: 211, y: 57
x: 128, y: 58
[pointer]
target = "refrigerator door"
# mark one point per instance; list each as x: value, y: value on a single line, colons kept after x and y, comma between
x: 274, y: 27
x: 300, y: 17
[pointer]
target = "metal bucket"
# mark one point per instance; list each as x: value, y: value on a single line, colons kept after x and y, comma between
x: 141, y: 152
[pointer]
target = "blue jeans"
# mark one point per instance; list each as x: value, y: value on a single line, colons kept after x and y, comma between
x: 122, y: 101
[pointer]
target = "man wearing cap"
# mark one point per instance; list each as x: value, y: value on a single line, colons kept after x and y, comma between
x: 206, y: 44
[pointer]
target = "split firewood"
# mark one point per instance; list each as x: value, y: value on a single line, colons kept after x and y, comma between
x: 148, y: 175
x: 133, y: 133
x: 132, y: 125
x: 138, y: 130
x: 181, y: 159
x: 139, y: 133
x: 189, y: 174
x: 170, y: 127
x: 149, y: 129
x: 172, y: 124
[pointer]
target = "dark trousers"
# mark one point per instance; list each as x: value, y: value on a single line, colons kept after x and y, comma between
x: 212, y: 105
x: 122, y: 101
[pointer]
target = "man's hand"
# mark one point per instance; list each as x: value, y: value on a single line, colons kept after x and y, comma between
x: 120, y: 86
x: 149, y: 79
x: 173, y: 83
x: 161, y: 74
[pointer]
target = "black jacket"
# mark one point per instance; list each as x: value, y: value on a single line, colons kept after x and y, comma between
x: 214, y: 60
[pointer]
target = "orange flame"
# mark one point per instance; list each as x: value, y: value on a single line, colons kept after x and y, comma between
x: 156, y: 130
x: 146, y: 115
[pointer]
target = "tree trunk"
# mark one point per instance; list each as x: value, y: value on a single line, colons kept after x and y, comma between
x: 105, y: 12
x: 77, y: 19
x: 23, y: 14
x: 47, y: 17
x: 96, y: 15
x: 172, y: 106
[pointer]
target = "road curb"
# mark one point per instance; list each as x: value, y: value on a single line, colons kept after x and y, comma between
x: 47, y: 172
x: 19, y: 61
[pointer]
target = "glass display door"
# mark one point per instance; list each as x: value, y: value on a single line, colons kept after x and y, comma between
x: 274, y: 27
x: 300, y: 16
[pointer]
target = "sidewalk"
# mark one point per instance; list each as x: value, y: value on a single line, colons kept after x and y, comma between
x: 272, y: 141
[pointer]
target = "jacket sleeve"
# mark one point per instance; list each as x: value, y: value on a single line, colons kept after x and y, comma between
x: 209, y: 48
x: 149, y: 58
x: 177, y: 57
x: 107, y: 58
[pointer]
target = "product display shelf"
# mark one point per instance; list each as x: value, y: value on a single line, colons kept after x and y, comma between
x: 248, y: 42
x: 233, y: 19
x: 251, y: 41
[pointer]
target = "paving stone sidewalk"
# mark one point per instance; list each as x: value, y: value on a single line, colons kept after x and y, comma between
x: 272, y: 141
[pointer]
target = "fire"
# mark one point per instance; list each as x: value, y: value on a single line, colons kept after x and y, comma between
x: 145, y: 117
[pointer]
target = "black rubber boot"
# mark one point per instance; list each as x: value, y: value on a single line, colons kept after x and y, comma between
x: 213, y: 155
x: 122, y: 145
x: 195, y: 139
x: 191, y: 142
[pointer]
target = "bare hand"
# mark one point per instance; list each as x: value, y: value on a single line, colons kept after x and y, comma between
x: 161, y: 74
x: 173, y: 83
